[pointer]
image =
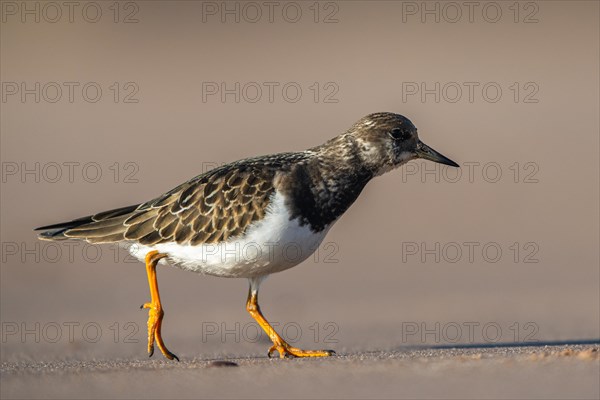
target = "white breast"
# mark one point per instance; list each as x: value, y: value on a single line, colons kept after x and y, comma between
x: 270, y: 245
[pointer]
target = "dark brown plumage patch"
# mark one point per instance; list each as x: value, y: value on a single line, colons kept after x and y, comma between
x: 319, y: 191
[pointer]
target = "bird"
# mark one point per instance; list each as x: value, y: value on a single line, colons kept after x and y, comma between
x: 239, y: 220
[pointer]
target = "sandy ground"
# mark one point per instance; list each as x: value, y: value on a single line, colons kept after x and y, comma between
x: 563, y: 371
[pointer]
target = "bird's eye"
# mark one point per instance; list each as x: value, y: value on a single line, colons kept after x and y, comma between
x: 399, y: 134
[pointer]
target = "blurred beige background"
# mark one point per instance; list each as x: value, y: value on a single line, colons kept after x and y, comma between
x: 541, y: 135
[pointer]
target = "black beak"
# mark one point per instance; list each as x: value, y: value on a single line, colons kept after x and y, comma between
x: 427, y: 153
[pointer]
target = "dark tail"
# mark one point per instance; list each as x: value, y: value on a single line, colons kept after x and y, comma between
x: 57, y: 231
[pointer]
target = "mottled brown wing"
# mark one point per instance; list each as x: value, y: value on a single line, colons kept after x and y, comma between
x: 208, y: 209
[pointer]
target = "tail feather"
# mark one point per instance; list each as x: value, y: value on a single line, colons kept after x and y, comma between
x: 106, y: 224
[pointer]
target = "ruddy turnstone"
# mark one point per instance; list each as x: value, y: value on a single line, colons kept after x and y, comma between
x: 239, y: 220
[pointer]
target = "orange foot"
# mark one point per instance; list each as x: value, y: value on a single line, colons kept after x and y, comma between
x: 285, y: 350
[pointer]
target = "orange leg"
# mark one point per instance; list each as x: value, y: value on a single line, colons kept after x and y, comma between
x: 155, y: 312
x: 282, y: 347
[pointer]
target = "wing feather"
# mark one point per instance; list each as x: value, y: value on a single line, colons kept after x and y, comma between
x: 209, y: 208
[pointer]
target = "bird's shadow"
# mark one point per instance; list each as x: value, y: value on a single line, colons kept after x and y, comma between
x: 487, y: 345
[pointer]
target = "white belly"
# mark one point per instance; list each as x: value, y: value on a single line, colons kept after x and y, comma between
x: 270, y: 245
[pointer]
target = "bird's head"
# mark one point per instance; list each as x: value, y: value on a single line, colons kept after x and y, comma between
x: 385, y: 141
